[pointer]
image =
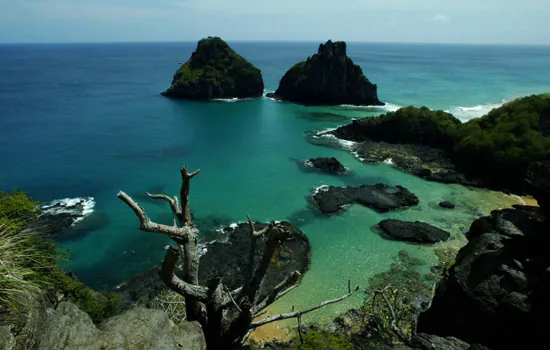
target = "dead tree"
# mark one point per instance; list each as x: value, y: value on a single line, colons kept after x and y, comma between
x: 227, y: 317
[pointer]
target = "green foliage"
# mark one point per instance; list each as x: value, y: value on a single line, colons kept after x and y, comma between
x: 16, y: 210
x: 322, y: 340
x: 499, y: 146
x: 28, y: 262
x: 215, y: 64
x: 411, y: 125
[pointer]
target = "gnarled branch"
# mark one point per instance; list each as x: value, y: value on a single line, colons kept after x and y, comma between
x: 393, y: 324
x: 174, y: 204
x: 184, y: 194
x: 295, y: 314
x: 175, y: 283
x: 185, y: 232
x: 279, y: 290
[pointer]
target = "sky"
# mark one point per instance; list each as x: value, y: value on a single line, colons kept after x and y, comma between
x: 442, y: 21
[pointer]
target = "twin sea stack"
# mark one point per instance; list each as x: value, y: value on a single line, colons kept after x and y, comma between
x: 215, y: 71
x: 327, y: 78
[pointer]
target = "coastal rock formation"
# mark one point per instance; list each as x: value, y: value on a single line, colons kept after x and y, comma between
x: 225, y: 257
x: 497, y: 291
x: 327, y: 78
x: 379, y: 197
x: 418, y: 232
x: 61, y: 214
x: 216, y: 71
x: 326, y: 165
x: 447, y: 205
x: 492, y: 151
x: 140, y: 328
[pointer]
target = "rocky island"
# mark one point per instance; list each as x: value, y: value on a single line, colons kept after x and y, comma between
x: 216, y: 71
x: 327, y: 78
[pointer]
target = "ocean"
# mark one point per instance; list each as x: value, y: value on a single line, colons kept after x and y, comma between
x: 87, y: 120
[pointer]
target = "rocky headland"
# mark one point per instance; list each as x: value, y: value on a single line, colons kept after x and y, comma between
x: 216, y: 71
x: 493, y: 151
x: 380, y: 197
x: 327, y: 78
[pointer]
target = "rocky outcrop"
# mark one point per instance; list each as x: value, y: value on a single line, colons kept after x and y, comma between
x: 226, y: 257
x: 61, y: 214
x: 327, y: 78
x: 538, y: 178
x: 215, y: 71
x: 497, y: 291
x: 326, y: 165
x: 379, y: 197
x: 140, y: 328
x: 447, y: 205
x: 417, y: 232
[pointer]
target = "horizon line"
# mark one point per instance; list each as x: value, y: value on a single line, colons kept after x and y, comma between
x: 286, y: 41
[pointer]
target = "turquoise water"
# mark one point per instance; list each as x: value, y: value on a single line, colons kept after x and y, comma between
x: 87, y: 120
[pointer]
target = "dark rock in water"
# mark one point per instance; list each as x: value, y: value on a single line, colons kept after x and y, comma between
x: 447, y: 205
x: 418, y: 232
x: 538, y: 177
x: 327, y: 165
x: 327, y: 78
x: 216, y: 71
x: 379, y: 197
x: 497, y: 291
x: 61, y: 214
x: 228, y: 259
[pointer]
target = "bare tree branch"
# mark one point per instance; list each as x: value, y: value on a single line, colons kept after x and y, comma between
x: 295, y: 314
x: 286, y: 286
x: 393, y: 324
x: 252, y: 252
x: 174, y: 204
x: 175, y: 283
x: 147, y: 225
x: 184, y: 194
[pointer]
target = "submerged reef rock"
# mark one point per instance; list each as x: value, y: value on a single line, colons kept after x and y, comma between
x: 447, y: 205
x: 418, y: 232
x: 326, y: 165
x: 216, y: 71
x: 327, y: 78
x: 497, y: 291
x: 379, y: 197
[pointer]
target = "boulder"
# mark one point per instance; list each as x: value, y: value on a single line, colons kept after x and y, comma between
x: 139, y: 328
x: 379, y: 197
x: 418, y: 232
x: 326, y: 165
x: 497, y: 291
x: 447, y: 205
x: 214, y: 71
x: 327, y: 78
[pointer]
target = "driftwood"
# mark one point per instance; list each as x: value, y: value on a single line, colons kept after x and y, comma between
x: 226, y: 316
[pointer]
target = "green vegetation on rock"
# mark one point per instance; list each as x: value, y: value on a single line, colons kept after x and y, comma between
x: 29, y: 263
x: 322, y: 340
x: 496, y: 148
x: 215, y: 70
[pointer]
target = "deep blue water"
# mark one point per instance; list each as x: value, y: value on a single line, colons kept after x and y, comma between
x: 88, y: 120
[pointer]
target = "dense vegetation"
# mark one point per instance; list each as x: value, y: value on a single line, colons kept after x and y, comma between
x: 496, y: 148
x: 29, y: 262
x: 216, y: 71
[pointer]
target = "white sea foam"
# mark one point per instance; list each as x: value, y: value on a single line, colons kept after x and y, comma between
x: 519, y: 199
x: 467, y: 113
x: 389, y: 107
x: 389, y: 161
x: 80, y: 206
x: 322, y: 188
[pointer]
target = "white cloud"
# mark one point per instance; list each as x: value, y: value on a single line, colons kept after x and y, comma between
x: 441, y: 18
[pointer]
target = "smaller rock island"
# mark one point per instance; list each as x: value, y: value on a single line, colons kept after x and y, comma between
x: 327, y: 78
x: 215, y: 71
